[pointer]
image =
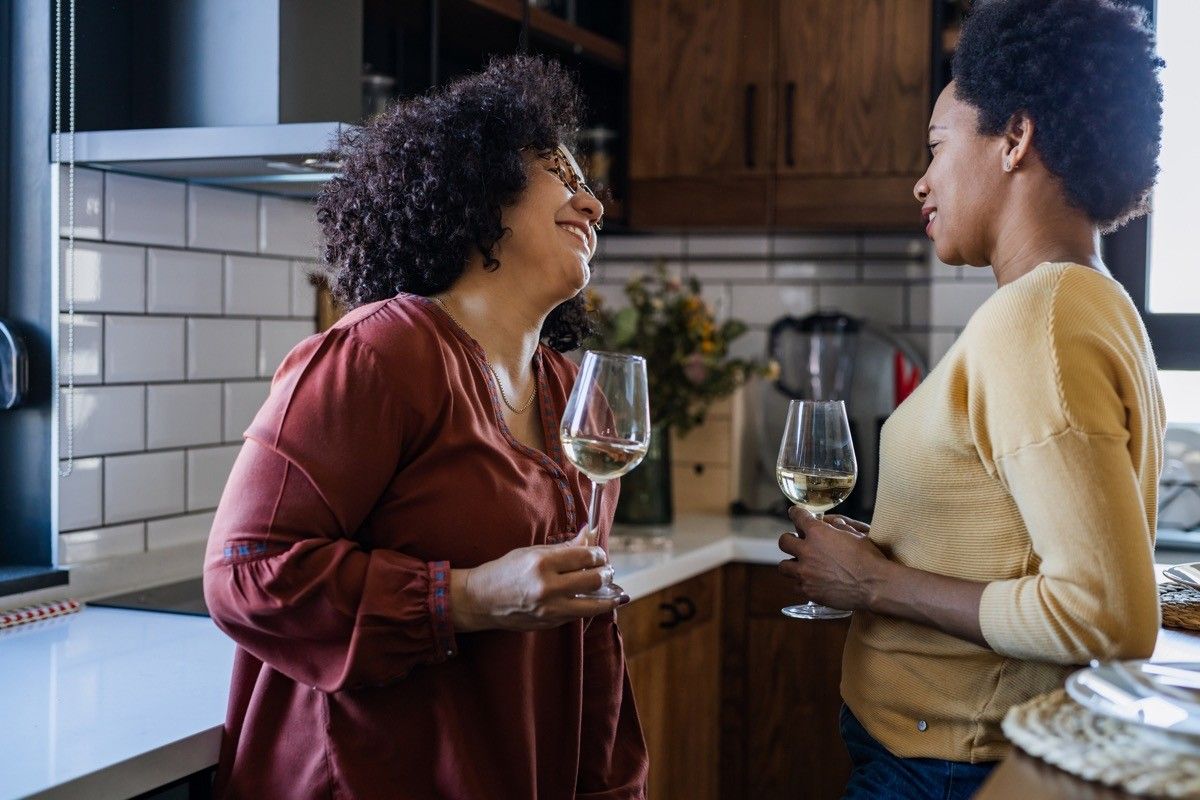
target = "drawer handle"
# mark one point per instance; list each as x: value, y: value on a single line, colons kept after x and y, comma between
x: 672, y: 616
x: 685, y: 608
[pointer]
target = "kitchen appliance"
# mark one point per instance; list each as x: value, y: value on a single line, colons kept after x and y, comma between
x: 825, y: 356
x: 14, y: 367
x: 184, y: 597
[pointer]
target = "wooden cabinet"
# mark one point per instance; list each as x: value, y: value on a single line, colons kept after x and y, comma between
x: 701, y: 111
x: 736, y: 700
x: 778, y: 113
x: 671, y: 646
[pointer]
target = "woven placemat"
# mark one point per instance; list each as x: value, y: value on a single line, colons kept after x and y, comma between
x: 1180, y: 606
x: 1136, y: 759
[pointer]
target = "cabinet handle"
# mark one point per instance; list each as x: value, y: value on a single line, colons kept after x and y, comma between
x: 685, y: 608
x: 789, y: 107
x: 748, y: 123
x: 672, y: 618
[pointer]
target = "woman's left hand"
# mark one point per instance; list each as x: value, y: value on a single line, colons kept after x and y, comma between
x: 833, y: 564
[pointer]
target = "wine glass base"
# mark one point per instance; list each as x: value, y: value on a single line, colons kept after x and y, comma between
x: 607, y: 592
x: 814, y: 611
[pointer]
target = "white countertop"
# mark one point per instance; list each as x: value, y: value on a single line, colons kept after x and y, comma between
x: 109, y: 703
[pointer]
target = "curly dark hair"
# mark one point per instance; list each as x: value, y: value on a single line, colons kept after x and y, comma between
x: 422, y: 184
x: 1086, y: 72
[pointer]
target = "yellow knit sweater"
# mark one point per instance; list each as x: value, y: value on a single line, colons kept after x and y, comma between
x: 1028, y: 458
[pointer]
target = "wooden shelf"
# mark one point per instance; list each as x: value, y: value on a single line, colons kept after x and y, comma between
x: 547, y: 26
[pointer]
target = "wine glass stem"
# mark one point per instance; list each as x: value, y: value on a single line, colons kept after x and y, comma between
x: 593, y: 513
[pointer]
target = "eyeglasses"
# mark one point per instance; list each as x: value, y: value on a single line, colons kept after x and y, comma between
x: 563, y: 165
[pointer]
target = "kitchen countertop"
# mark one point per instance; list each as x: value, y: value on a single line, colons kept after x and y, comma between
x: 108, y: 703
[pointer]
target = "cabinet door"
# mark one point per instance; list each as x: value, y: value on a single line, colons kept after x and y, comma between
x: 854, y: 86
x: 701, y: 111
x: 675, y: 673
x: 793, y: 668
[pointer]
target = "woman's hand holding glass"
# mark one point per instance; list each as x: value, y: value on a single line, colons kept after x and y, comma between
x: 532, y: 588
x: 830, y: 567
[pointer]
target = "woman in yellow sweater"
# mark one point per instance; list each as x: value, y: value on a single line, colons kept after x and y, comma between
x: 1014, y: 526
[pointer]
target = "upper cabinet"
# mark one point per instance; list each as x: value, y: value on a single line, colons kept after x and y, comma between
x: 701, y: 112
x: 799, y: 114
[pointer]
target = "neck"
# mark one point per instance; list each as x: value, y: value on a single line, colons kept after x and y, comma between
x: 502, y: 320
x: 1040, y: 228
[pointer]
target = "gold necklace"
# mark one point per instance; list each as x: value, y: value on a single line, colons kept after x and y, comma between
x: 525, y: 406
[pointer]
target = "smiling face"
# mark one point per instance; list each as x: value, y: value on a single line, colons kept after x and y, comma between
x: 962, y: 192
x: 553, y: 224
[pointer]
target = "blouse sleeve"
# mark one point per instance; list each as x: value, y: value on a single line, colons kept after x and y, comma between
x: 286, y: 575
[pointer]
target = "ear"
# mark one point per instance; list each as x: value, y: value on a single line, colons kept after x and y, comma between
x: 1018, y: 141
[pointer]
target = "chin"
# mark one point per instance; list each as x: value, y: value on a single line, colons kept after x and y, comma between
x: 948, y: 254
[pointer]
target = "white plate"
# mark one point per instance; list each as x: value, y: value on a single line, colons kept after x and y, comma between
x: 1148, y: 701
x: 1184, y: 574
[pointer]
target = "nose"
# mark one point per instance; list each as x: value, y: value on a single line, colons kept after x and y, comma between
x: 921, y: 189
x: 589, y: 205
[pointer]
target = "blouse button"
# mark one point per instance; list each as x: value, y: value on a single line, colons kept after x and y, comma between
x: 922, y: 725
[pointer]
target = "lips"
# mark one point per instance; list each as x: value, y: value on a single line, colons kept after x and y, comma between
x: 579, y: 233
x: 929, y: 214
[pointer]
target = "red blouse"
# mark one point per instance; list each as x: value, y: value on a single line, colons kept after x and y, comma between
x: 380, y: 460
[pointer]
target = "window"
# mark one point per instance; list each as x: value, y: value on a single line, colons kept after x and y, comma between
x: 1156, y: 257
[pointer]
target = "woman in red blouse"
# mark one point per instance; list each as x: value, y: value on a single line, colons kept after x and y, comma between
x: 395, y: 553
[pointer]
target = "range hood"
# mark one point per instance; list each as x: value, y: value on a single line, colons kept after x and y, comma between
x: 286, y: 159
x: 246, y: 94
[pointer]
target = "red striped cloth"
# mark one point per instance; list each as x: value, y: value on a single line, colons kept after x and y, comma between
x: 19, y: 616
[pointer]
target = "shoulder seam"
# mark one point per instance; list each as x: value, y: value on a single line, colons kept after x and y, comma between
x: 1058, y: 435
x: 1059, y: 387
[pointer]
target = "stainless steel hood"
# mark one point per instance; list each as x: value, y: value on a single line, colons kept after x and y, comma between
x: 286, y: 159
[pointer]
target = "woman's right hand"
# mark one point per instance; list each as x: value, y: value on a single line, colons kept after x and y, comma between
x: 530, y: 588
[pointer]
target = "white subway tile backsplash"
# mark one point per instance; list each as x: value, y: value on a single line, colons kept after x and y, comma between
x: 243, y: 399
x: 621, y: 271
x: 222, y: 348
x: 952, y: 304
x: 257, y: 286
x: 89, y: 348
x: 918, y: 305
x: 108, y: 277
x: 143, y: 349
x: 174, y: 531
x: 611, y: 295
x: 178, y: 415
x: 89, y: 203
x: 143, y: 485
x: 207, y: 471
x: 752, y: 345
x: 287, y: 227
x: 108, y: 419
x: 815, y: 270
x: 219, y: 219
x: 80, y: 504
x: 882, y: 304
x: 732, y: 271
x: 912, y: 246
x: 718, y: 299
x: 788, y: 246
x: 641, y: 246
x: 905, y: 271
x: 276, y: 338
x: 183, y: 282
x: 100, y: 543
x: 143, y: 210
x: 304, y: 293
x: 762, y: 305
x: 701, y: 245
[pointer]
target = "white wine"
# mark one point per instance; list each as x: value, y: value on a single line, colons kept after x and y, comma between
x: 817, y: 490
x: 603, y: 459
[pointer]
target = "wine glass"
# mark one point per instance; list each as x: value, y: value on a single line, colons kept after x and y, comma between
x: 605, y: 430
x: 816, y: 470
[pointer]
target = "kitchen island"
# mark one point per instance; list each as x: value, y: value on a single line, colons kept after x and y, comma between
x: 110, y: 703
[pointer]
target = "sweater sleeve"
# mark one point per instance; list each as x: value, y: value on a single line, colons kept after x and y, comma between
x: 288, y: 575
x: 1067, y: 418
x: 1092, y: 594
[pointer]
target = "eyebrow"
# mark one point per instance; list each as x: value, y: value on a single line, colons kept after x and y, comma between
x: 933, y: 128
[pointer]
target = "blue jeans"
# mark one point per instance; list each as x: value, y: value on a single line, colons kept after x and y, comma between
x: 879, y: 775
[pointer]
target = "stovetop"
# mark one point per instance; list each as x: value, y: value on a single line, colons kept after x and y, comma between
x: 184, y: 597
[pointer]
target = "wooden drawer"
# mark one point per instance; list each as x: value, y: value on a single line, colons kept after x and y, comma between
x: 670, y: 612
x: 769, y: 590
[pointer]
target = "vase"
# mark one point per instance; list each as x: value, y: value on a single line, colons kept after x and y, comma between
x: 646, y: 491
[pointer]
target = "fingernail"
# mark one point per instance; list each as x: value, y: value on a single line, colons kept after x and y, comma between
x: 624, y: 600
